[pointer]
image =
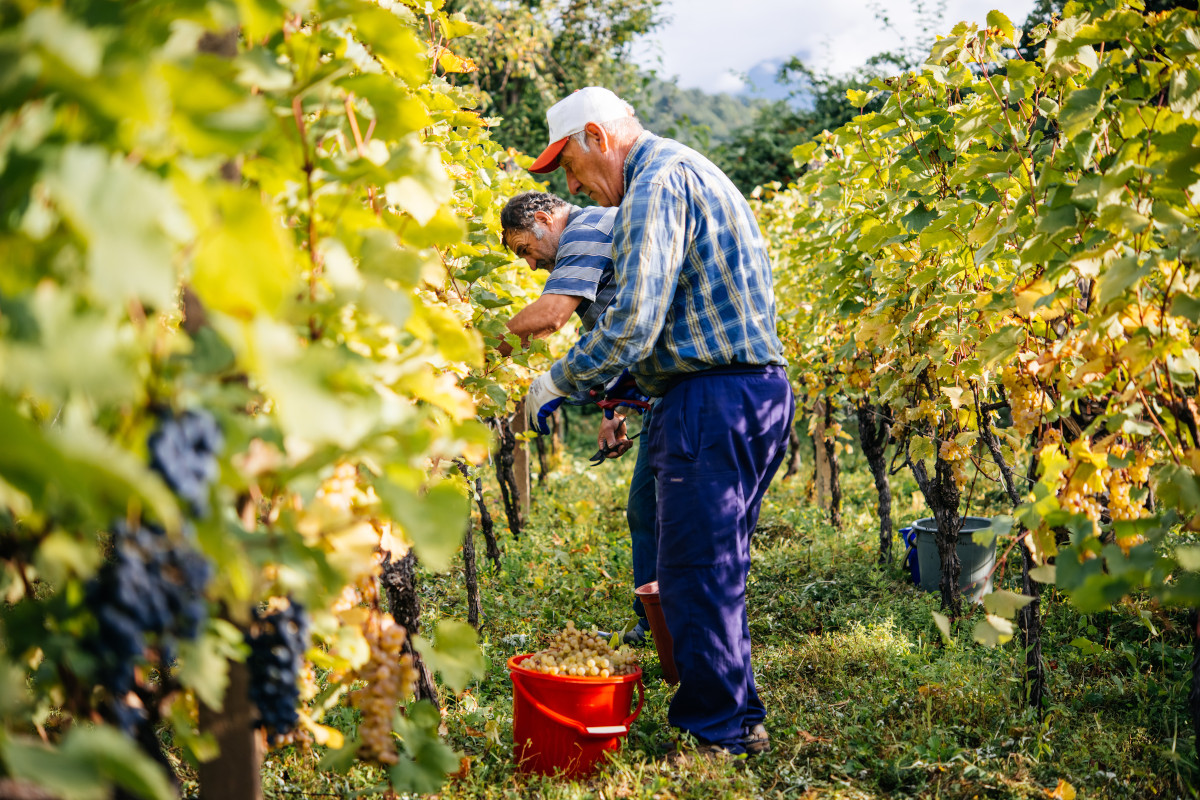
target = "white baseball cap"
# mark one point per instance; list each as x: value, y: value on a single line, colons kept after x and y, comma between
x: 571, y: 114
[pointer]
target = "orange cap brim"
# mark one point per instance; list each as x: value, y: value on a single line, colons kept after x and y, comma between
x: 548, y: 160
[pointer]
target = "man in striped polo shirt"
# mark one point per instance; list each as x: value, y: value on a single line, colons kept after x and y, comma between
x: 693, y: 319
x: 574, y: 245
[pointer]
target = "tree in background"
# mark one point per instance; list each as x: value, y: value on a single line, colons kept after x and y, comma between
x: 531, y: 53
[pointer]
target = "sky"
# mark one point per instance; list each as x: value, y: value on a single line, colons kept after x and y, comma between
x: 708, y: 43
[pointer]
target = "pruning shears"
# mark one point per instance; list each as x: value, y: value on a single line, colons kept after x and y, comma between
x: 609, y: 449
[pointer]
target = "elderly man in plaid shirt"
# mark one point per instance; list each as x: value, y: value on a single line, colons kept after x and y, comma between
x: 693, y: 319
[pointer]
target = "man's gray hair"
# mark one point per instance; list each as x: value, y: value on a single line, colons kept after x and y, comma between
x: 517, y: 214
x: 628, y: 126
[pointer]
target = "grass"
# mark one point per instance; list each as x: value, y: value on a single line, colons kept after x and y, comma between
x: 865, y: 699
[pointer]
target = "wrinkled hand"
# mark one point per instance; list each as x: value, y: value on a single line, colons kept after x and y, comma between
x: 542, y: 401
x: 613, y: 437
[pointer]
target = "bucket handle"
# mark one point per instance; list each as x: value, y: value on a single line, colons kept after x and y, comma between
x: 576, y: 725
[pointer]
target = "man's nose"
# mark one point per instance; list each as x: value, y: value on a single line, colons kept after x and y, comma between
x: 531, y: 261
x: 573, y: 183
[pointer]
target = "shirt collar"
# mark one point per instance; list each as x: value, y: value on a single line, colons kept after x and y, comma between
x: 634, y: 157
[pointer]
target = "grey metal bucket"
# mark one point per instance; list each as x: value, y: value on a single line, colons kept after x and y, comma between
x: 977, y: 561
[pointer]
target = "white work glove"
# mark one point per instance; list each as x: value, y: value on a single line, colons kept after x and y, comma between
x: 543, y: 399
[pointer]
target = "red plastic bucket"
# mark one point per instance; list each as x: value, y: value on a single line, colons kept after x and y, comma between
x: 658, y: 629
x: 563, y: 723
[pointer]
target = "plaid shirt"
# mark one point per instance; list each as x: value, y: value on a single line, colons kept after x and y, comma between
x: 693, y: 280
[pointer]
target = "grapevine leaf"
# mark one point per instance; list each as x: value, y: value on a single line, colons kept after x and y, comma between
x: 340, y: 760
x: 1080, y: 111
x: 393, y: 43
x: 1006, y: 31
x: 434, y: 523
x: 1043, y: 574
x: 992, y: 631
x: 426, y: 760
x: 943, y: 626
x: 1188, y: 557
x: 1184, y: 94
x: 1004, y: 603
x: 129, y: 219
x: 88, y: 762
x: 243, y: 232
x: 454, y: 653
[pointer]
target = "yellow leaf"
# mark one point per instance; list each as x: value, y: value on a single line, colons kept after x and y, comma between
x: 1064, y: 791
x: 323, y: 735
x: 452, y: 63
x: 243, y: 265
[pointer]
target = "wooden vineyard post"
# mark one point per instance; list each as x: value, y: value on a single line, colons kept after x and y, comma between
x: 821, y: 472
x: 235, y: 774
x: 521, y: 460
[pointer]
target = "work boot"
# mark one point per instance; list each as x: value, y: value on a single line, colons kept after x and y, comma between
x: 637, y: 636
x: 757, y: 740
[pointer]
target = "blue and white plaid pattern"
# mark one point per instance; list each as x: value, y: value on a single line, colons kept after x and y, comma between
x: 583, y: 267
x: 693, y: 282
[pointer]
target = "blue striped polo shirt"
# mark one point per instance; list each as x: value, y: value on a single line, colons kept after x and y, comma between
x: 583, y: 267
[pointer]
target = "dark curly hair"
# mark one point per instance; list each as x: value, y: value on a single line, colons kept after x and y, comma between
x: 518, y: 212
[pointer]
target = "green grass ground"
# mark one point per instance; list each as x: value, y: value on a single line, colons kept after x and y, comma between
x: 864, y: 698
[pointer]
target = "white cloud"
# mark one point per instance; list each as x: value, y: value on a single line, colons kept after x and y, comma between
x: 729, y: 82
x: 708, y: 38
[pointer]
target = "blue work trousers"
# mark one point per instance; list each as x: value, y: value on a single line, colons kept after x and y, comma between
x: 716, y: 440
x: 641, y: 512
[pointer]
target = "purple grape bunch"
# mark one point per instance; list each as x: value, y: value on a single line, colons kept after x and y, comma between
x: 277, y: 642
x: 150, y: 586
x: 183, y: 450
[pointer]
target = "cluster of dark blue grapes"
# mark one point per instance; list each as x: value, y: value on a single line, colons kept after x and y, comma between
x: 151, y: 585
x: 277, y: 643
x: 183, y: 450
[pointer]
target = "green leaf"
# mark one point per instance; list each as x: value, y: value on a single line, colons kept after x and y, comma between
x: 87, y: 764
x: 434, y: 522
x: 1184, y: 93
x: 454, y: 653
x: 943, y: 626
x: 1086, y: 646
x: 243, y: 264
x: 992, y: 631
x: 1006, y: 33
x: 204, y: 663
x: 129, y: 219
x: 77, y: 467
x: 1001, y: 346
x: 1188, y: 557
x: 917, y: 219
x: 1119, y: 276
x: 1080, y: 111
x: 393, y: 43
x: 426, y: 760
x: 1184, y: 305
x: 1004, y: 603
x: 1043, y: 574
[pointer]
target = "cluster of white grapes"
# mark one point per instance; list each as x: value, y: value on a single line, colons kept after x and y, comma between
x: 389, y: 676
x: 1026, y: 399
x: 959, y: 458
x: 582, y: 654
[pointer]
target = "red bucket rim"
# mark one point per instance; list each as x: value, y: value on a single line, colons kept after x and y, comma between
x: 514, y: 665
x: 647, y: 588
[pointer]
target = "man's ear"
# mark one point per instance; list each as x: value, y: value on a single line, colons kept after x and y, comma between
x: 597, y: 135
x: 543, y: 217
